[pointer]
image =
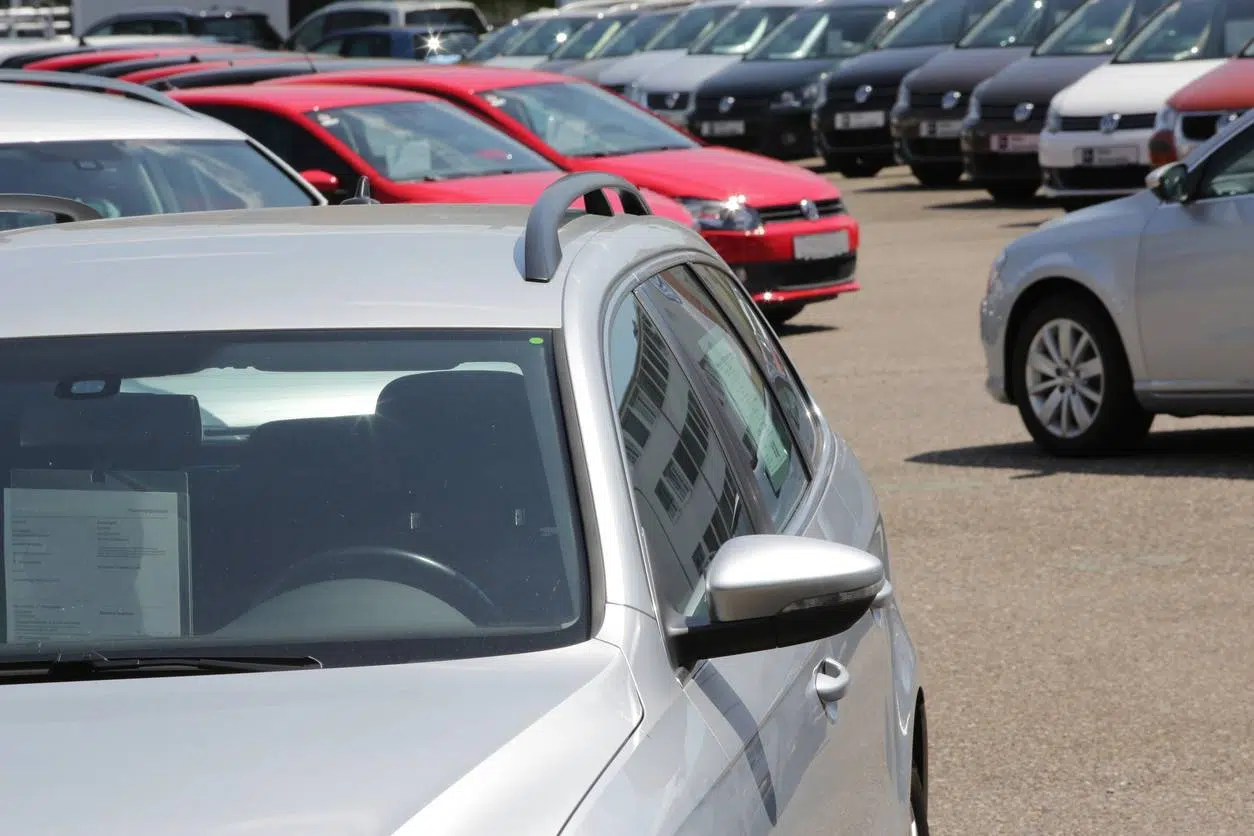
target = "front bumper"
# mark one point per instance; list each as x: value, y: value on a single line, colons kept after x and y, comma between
x: 927, y: 135
x: 767, y: 263
x: 992, y: 338
x: 785, y: 135
x: 845, y: 128
x: 1001, y: 152
x: 1094, y: 164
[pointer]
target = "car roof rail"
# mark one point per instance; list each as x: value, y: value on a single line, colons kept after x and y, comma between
x: 95, y: 84
x: 61, y: 208
x: 542, y: 250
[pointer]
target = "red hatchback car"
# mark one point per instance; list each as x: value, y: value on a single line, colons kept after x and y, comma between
x: 784, y: 229
x: 79, y: 61
x: 414, y: 148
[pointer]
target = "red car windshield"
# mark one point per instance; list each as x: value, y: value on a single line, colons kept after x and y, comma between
x: 426, y: 141
x: 582, y: 120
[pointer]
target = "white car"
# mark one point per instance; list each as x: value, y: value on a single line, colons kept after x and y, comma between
x: 1095, y: 143
x: 669, y: 90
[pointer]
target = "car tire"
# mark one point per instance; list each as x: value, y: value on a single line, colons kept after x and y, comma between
x: 1073, y: 204
x: 918, y: 805
x: 1071, y: 380
x: 777, y: 315
x: 855, y: 169
x: 1012, y: 192
x: 937, y: 175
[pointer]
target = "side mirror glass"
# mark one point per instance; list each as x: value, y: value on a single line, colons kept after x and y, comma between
x: 771, y: 590
x: 1167, y: 182
x: 326, y: 183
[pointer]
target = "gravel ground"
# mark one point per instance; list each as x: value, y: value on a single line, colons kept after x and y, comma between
x: 1084, y: 627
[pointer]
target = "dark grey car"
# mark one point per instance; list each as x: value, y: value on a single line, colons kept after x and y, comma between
x: 1005, y: 113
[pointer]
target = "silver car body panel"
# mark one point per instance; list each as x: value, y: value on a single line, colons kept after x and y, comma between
x: 602, y: 738
x: 1171, y: 276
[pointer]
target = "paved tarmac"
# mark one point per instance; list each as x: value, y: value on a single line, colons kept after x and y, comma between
x: 1086, y: 629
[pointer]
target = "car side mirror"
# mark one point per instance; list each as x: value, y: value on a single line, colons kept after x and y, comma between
x: 773, y: 590
x: 1168, y: 182
x: 326, y: 183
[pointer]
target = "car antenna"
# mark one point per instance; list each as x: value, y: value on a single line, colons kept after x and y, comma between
x: 362, y: 197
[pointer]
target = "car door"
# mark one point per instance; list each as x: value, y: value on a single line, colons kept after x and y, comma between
x: 1194, y: 289
x: 800, y: 764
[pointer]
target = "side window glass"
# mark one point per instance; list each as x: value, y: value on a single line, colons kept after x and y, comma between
x: 682, y: 481
x: 763, y: 344
x: 310, y: 33
x: 739, y: 391
x: 1230, y: 169
x: 331, y: 46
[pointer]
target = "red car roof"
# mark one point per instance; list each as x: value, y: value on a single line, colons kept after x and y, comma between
x: 109, y: 56
x: 1230, y: 86
x: 297, y: 98
x: 463, y: 79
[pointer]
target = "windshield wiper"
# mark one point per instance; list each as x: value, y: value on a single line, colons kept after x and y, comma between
x: 92, y: 665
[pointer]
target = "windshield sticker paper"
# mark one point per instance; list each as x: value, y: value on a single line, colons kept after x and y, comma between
x: 91, y: 564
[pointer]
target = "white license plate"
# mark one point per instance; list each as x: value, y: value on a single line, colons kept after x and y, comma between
x: 820, y: 245
x: 1014, y: 143
x: 675, y: 117
x: 724, y: 128
x: 1107, y: 155
x: 944, y: 129
x: 859, y: 119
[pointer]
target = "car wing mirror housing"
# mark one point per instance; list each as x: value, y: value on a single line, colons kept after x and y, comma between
x: 327, y: 184
x: 1169, y: 182
x: 772, y: 590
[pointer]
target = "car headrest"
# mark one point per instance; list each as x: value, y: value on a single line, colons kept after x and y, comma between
x: 460, y: 403
x: 311, y: 444
x: 125, y: 421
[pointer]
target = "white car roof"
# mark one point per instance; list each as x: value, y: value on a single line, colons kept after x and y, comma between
x: 338, y: 267
x: 38, y: 114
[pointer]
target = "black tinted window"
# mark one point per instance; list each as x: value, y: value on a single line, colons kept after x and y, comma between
x: 145, y: 26
x: 682, y: 481
x: 371, y: 45
x: 935, y: 23
x: 427, y: 17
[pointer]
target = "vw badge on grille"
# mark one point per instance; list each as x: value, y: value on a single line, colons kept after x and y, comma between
x: 809, y: 210
x: 1109, y: 123
x: 1023, y: 111
x: 951, y: 99
x: 672, y: 99
x: 862, y: 94
x: 725, y: 104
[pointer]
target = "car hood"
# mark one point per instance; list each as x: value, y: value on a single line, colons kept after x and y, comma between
x: 559, y: 65
x: 684, y: 75
x: 521, y: 189
x: 516, y: 62
x: 750, y: 78
x: 1229, y: 87
x: 1129, y: 88
x: 591, y: 70
x: 634, y: 66
x: 718, y: 173
x: 368, y: 751
x: 1037, y: 79
x: 882, y: 67
x: 961, y: 69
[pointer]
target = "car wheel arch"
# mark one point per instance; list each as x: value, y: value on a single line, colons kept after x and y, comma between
x: 1033, y: 295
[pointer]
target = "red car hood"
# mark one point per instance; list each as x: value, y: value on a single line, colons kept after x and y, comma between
x: 717, y: 174
x: 519, y: 188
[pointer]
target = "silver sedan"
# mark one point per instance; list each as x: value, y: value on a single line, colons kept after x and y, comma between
x: 1099, y: 320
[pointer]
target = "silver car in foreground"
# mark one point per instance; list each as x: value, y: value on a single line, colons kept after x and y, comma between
x: 1101, y: 319
x: 367, y: 520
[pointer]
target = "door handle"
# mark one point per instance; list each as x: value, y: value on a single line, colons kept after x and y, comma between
x: 831, y: 680
x: 883, y: 596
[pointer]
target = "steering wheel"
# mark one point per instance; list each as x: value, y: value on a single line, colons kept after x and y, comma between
x: 388, y: 563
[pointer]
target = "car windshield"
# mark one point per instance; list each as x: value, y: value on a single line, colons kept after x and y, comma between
x: 494, y: 44
x: 582, y: 120
x: 742, y: 31
x: 834, y: 32
x: 934, y: 23
x: 1191, y: 30
x: 402, y: 496
x: 546, y: 37
x: 594, y: 35
x: 121, y: 178
x: 244, y: 29
x: 1098, y: 27
x: 426, y: 141
x: 439, y: 44
x: 690, y: 27
x: 632, y: 37
x: 1017, y: 23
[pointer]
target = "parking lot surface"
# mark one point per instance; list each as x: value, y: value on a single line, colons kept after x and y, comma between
x: 1086, y: 628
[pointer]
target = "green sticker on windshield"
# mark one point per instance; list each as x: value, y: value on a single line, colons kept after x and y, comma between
x: 536, y: 340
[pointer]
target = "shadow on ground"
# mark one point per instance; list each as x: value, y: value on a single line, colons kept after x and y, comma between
x: 1214, y: 453
x: 989, y: 203
x: 796, y: 329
